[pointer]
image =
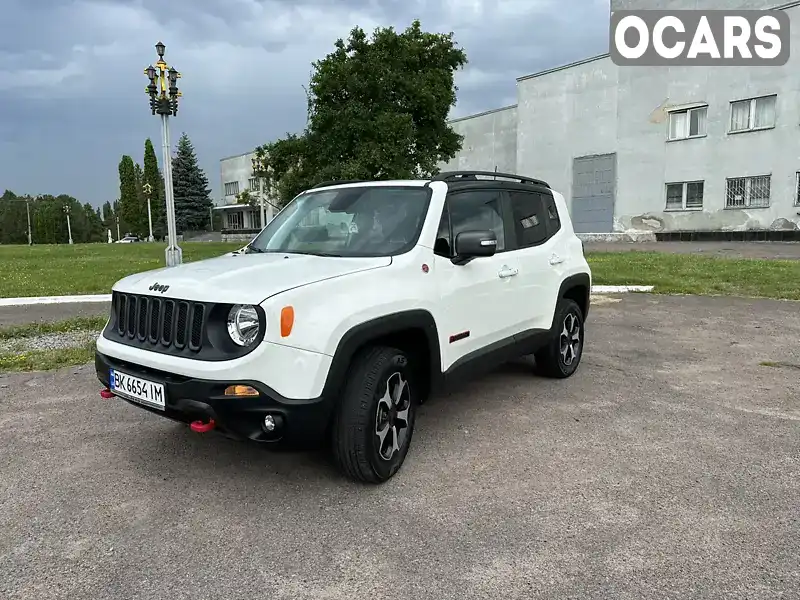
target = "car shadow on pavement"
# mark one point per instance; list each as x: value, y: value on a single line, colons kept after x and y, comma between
x: 171, y: 451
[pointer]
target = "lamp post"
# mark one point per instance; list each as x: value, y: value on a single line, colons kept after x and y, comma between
x: 28, y: 210
x: 164, y: 94
x: 118, y: 237
x: 69, y: 225
x: 148, y: 189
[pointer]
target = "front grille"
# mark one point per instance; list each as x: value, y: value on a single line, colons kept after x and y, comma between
x: 159, y: 323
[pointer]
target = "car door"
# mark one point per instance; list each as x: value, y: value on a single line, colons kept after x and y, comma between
x: 535, y: 250
x: 476, y: 299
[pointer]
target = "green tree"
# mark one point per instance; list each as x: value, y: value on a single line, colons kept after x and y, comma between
x: 190, y: 184
x: 377, y: 109
x: 130, y: 208
x: 157, y: 201
x: 13, y: 219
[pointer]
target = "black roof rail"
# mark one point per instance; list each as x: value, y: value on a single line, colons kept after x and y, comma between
x: 472, y: 175
x: 341, y: 182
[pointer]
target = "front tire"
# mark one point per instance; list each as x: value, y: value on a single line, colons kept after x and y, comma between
x: 374, y: 422
x: 561, y: 356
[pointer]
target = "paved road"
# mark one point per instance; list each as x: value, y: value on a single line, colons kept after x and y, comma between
x: 667, y: 468
x: 783, y: 250
x: 19, y: 315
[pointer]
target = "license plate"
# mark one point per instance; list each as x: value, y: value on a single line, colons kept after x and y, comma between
x: 140, y: 390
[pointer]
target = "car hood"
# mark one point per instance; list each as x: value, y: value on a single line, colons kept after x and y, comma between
x: 243, y: 278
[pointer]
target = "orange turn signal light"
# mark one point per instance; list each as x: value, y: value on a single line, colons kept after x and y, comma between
x: 287, y: 320
x: 240, y: 390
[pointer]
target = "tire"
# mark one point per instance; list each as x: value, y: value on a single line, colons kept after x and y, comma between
x: 558, y: 359
x: 365, y: 414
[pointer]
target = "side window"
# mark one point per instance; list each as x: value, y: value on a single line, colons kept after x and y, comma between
x: 529, y: 218
x: 478, y: 209
x: 554, y: 222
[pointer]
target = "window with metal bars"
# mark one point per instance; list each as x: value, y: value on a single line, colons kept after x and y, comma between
x: 685, y: 195
x: 748, y: 192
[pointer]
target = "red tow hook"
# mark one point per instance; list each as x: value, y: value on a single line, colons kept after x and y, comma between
x: 200, y: 427
x: 106, y: 393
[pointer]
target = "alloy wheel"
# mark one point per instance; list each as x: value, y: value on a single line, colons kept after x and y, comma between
x: 392, y: 418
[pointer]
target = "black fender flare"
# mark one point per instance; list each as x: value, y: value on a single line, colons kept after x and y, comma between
x: 376, y: 328
x: 577, y: 280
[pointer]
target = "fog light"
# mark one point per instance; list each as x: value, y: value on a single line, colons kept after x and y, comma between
x: 240, y: 390
x: 269, y: 423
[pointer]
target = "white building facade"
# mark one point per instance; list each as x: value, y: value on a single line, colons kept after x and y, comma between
x: 662, y: 149
x: 236, y: 176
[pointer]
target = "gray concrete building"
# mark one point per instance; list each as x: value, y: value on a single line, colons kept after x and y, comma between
x: 660, y: 149
x: 236, y: 176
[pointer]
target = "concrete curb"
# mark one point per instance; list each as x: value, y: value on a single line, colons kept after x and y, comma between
x: 98, y: 298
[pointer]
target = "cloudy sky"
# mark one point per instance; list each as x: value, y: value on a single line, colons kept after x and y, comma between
x: 72, y: 86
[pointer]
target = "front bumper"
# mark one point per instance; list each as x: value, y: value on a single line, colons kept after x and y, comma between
x: 300, y: 422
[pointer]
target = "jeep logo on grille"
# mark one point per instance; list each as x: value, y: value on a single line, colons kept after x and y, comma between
x: 158, y: 288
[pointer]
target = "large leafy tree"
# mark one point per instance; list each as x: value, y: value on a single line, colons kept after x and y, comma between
x: 377, y: 109
x: 190, y: 186
x: 157, y: 201
x: 129, y: 199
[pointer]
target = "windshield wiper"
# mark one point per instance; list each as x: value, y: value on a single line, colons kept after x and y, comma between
x: 253, y: 250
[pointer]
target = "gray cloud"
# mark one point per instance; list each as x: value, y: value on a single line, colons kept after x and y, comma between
x: 73, y: 88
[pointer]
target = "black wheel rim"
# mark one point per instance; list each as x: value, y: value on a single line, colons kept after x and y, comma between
x: 570, y: 340
x: 393, y: 417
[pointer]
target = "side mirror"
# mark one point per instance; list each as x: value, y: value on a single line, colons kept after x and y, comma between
x: 474, y: 244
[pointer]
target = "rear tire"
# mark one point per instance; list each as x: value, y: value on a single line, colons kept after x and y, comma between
x: 374, y: 422
x: 561, y: 356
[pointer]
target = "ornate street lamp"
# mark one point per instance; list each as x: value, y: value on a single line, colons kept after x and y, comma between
x: 164, y: 94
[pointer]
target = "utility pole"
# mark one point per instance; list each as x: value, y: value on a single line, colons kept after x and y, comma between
x: 148, y: 190
x: 28, y: 209
x: 69, y: 225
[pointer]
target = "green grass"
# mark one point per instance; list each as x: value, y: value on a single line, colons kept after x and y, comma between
x: 94, y: 268
x: 701, y: 275
x: 19, y: 359
x: 57, y: 270
x: 45, y: 360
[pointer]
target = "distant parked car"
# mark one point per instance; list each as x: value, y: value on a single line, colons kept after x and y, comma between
x: 128, y: 239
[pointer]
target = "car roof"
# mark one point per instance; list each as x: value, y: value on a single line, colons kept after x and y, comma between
x: 453, y: 179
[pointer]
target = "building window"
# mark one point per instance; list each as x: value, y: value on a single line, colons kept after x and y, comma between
x: 687, y: 123
x: 748, y: 192
x: 252, y: 184
x: 231, y: 188
x: 753, y: 114
x: 686, y: 195
x: 255, y: 219
x: 236, y: 220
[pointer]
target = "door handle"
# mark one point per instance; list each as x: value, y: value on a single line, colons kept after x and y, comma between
x: 507, y: 272
x: 556, y: 260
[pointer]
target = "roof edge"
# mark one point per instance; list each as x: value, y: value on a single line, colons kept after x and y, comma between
x: 485, y: 112
x: 567, y: 66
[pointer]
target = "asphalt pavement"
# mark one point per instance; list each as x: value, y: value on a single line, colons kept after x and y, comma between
x: 667, y: 467
x: 49, y: 313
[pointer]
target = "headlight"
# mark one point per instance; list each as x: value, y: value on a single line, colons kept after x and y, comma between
x: 243, y: 324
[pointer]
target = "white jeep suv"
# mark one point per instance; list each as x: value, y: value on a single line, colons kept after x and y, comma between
x: 349, y: 308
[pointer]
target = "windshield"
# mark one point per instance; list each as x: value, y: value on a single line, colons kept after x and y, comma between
x: 353, y: 221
